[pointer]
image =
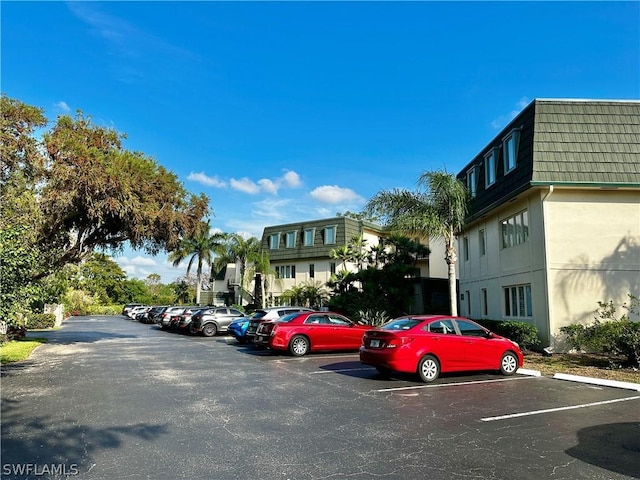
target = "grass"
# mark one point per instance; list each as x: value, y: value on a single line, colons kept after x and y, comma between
x: 583, y: 364
x: 18, y: 350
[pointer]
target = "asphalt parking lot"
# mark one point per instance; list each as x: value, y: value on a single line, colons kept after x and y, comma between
x: 108, y: 398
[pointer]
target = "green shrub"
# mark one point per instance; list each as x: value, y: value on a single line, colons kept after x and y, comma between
x: 41, y: 320
x: 104, y: 309
x: 523, y: 333
x: 608, y: 334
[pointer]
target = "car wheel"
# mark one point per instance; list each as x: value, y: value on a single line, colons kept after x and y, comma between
x: 509, y: 363
x: 428, y: 368
x: 299, y: 346
x: 209, y: 330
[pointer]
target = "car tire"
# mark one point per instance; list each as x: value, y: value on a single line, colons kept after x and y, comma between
x: 428, y: 368
x: 508, y: 363
x: 210, y: 330
x: 299, y: 346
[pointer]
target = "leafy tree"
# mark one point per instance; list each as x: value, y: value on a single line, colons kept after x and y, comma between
x: 181, y: 291
x: 102, y: 278
x: 199, y: 249
x: 262, y: 271
x: 343, y: 254
x: 244, y: 251
x: 436, y: 210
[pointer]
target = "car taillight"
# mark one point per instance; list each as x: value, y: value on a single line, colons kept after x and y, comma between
x: 273, y: 329
x: 398, y: 342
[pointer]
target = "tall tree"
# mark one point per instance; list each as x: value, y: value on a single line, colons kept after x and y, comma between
x: 437, y: 209
x: 199, y: 249
x: 244, y: 250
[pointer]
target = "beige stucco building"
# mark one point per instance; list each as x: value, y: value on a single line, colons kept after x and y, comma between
x: 555, y: 220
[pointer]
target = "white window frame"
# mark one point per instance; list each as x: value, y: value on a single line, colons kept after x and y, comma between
x: 472, y: 181
x: 514, y: 230
x: 290, y: 240
x: 274, y: 241
x: 334, y: 229
x: 517, y: 301
x: 490, y: 167
x: 308, y: 237
x: 510, y: 144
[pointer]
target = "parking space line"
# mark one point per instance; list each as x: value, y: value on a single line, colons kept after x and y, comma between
x: 340, y: 370
x: 559, y: 409
x: 440, y: 385
x: 314, y: 357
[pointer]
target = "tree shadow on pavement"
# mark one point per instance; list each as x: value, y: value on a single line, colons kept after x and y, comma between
x: 614, y: 447
x: 69, y: 446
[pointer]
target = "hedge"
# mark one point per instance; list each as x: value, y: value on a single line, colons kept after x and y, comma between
x: 523, y: 333
x: 40, y: 320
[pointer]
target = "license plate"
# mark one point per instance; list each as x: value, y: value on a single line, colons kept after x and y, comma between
x: 374, y: 343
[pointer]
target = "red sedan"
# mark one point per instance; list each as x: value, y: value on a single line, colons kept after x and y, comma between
x: 300, y: 333
x: 428, y: 345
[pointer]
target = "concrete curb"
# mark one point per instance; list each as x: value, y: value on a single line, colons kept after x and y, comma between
x: 531, y: 373
x: 598, y: 381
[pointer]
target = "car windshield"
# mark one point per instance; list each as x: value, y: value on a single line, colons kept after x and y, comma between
x: 401, y: 324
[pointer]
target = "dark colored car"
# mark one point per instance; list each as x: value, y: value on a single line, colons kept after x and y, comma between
x: 182, y: 322
x: 213, y: 320
x: 432, y: 344
x: 266, y: 314
x: 170, y: 314
x: 303, y: 332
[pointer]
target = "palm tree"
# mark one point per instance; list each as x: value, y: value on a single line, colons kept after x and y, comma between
x: 436, y: 210
x: 262, y: 265
x: 244, y: 251
x: 343, y: 254
x: 200, y: 249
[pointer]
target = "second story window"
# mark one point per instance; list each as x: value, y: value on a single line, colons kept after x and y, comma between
x: 510, y: 150
x: 290, y: 240
x: 482, y: 241
x: 465, y: 247
x: 312, y: 270
x: 332, y: 268
x: 309, y: 234
x: 330, y: 235
x: 274, y: 241
x: 515, y: 229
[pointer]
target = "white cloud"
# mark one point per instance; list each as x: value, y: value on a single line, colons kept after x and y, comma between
x: 63, y: 106
x: 291, y: 179
x: 268, y: 186
x: 501, y: 121
x: 272, y: 209
x: 245, y: 185
x: 206, y: 180
x: 334, y: 194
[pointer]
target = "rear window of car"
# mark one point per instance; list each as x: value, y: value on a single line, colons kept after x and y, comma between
x: 401, y: 324
x: 258, y: 314
x: 287, y: 318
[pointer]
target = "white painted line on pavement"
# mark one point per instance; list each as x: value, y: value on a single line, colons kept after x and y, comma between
x: 558, y: 409
x: 439, y: 385
x: 598, y: 381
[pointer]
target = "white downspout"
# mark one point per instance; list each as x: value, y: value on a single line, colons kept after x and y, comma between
x: 549, y: 349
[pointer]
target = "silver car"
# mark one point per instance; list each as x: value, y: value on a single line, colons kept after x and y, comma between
x: 214, y: 320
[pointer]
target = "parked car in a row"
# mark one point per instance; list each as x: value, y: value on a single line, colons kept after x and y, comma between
x: 424, y: 345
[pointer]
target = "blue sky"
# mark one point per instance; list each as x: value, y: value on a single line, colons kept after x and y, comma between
x: 289, y: 111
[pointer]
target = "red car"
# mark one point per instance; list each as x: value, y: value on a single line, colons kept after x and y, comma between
x: 304, y: 332
x: 431, y: 344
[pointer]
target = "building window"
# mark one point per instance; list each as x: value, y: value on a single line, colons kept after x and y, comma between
x: 332, y: 268
x: 274, y: 241
x: 482, y: 242
x: 465, y: 248
x: 515, y: 229
x: 490, y: 164
x: 510, y: 150
x: 485, y: 302
x: 468, y: 298
x: 472, y: 181
x: 312, y: 270
x: 285, y: 271
x: 309, y: 234
x: 290, y: 240
x: 517, y: 301
x: 330, y: 235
